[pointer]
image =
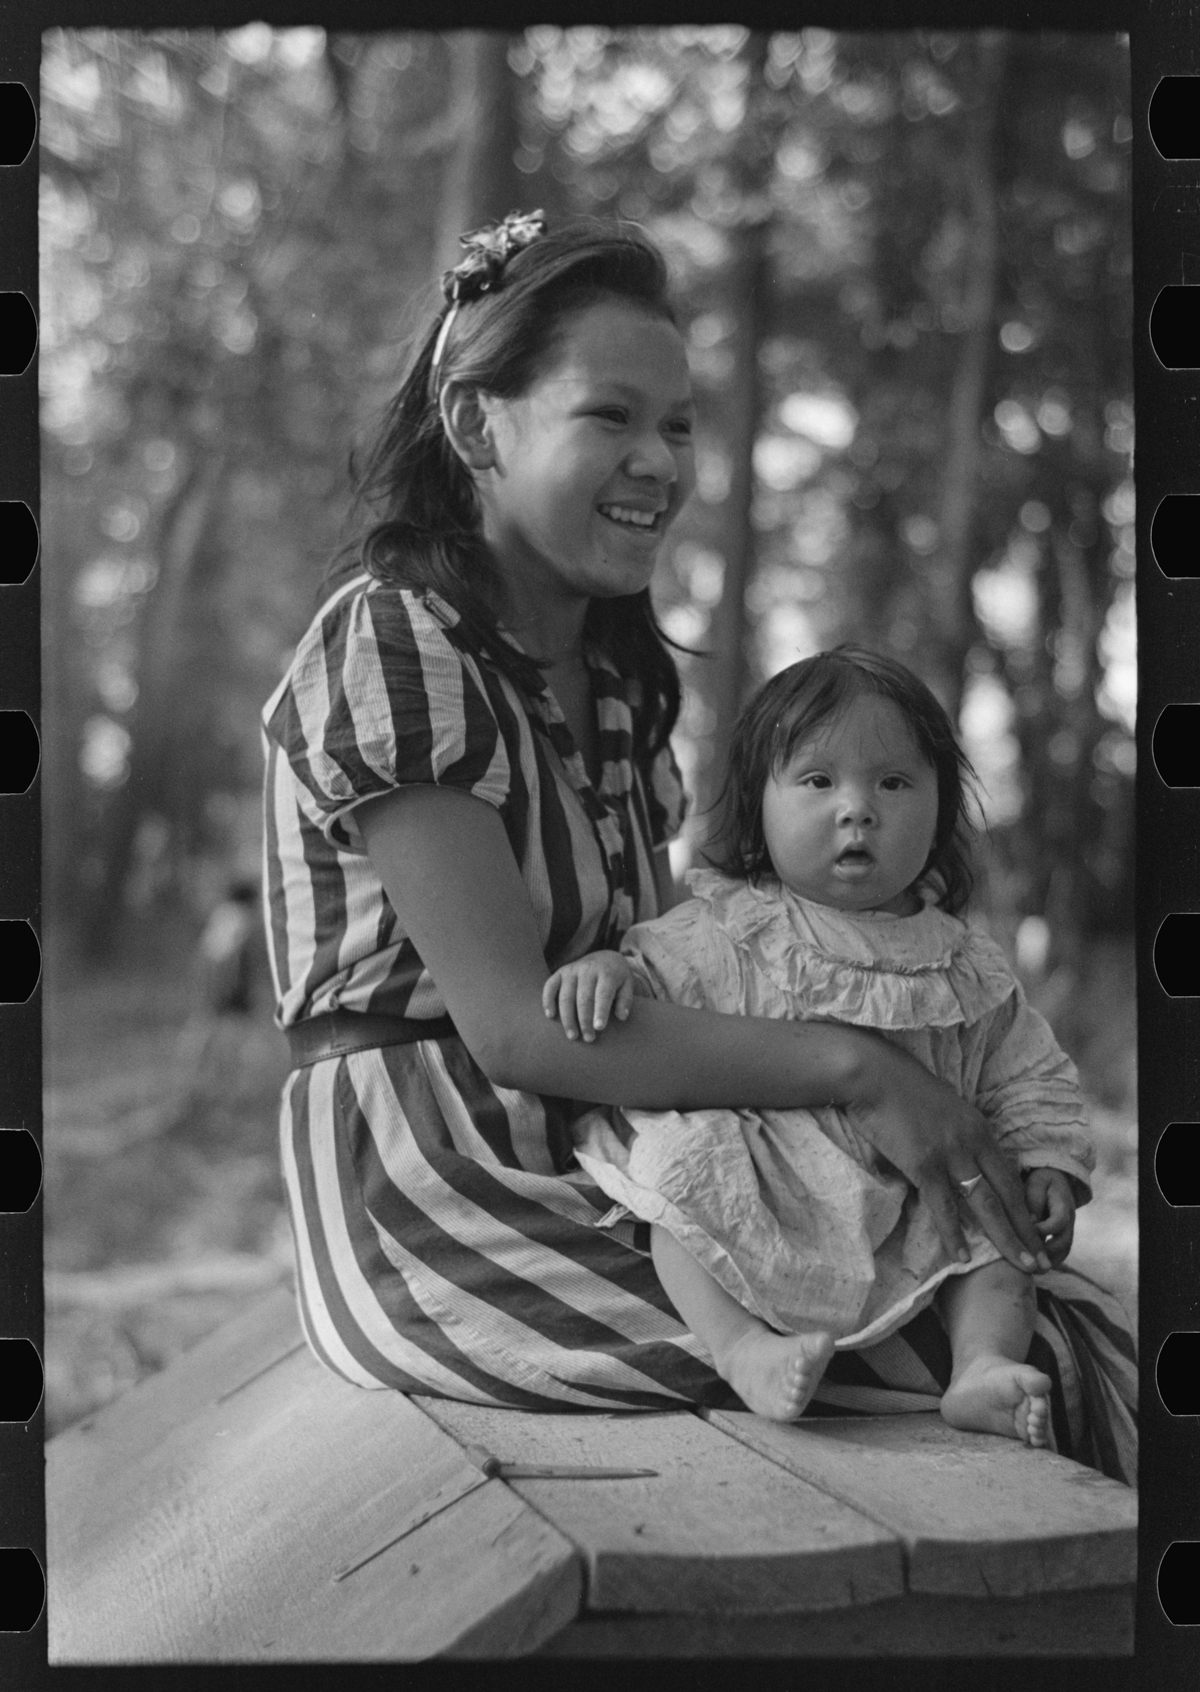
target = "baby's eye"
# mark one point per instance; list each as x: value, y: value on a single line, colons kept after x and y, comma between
x: 611, y: 413
x: 814, y: 778
x: 680, y: 427
x: 894, y: 783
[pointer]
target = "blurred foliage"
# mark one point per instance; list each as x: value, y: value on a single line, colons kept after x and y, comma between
x: 903, y: 266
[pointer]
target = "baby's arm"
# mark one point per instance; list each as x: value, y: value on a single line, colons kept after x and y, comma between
x: 583, y: 994
x: 1051, y: 1201
x: 1029, y: 1090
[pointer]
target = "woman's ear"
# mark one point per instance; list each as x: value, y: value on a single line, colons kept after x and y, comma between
x: 466, y: 422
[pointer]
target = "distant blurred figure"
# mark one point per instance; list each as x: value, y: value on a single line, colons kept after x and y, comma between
x: 226, y: 950
x: 228, y: 962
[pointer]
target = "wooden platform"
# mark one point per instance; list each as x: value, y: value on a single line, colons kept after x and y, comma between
x: 245, y: 1505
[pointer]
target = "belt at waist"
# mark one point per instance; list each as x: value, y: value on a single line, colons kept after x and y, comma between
x: 340, y: 1032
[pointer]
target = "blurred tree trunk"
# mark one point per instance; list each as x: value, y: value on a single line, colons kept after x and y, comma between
x: 183, y: 531
x: 747, y: 288
x: 726, y: 676
x: 65, y: 694
x: 1073, y: 831
x: 482, y: 182
x: 949, y: 612
x: 1079, y: 827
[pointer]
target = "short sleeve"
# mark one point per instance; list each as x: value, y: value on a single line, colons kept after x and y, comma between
x: 684, y: 957
x: 379, y: 697
x: 666, y: 800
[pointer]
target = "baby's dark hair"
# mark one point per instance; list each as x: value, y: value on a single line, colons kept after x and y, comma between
x: 789, y: 708
x: 418, y: 513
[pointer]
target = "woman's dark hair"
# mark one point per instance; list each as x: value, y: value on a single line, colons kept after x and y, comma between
x: 418, y: 514
x: 790, y: 708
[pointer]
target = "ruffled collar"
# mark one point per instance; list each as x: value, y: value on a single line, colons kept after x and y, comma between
x: 875, y: 969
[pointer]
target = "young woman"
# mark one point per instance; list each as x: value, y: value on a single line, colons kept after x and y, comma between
x: 468, y: 783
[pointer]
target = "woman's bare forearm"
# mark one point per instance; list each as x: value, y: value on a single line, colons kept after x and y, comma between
x: 669, y: 1058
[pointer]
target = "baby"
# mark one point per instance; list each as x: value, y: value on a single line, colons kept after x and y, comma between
x: 841, y: 868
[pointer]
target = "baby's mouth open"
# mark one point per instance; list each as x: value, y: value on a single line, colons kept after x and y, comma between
x: 855, y: 857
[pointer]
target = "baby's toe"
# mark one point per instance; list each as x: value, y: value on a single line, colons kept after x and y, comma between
x: 1037, y: 1422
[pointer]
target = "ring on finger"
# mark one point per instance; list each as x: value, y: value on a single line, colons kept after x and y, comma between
x: 966, y: 1188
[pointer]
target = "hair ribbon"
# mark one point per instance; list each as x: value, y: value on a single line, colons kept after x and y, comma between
x: 488, y: 252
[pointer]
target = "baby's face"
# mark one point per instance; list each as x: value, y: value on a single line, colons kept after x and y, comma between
x: 849, y: 820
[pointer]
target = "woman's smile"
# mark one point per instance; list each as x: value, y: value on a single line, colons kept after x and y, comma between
x: 639, y: 518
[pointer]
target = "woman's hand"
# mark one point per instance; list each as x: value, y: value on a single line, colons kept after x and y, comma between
x: 1051, y: 1203
x: 942, y: 1144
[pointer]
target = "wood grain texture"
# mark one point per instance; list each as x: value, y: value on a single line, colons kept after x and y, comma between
x: 717, y: 1528
x: 979, y: 1515
x: 221, y: 1540
x: 205, y: 1517
x: 1061, y: 1624
x: 267, y: 1333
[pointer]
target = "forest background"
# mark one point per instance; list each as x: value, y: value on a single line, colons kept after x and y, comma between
x: 903, y: 263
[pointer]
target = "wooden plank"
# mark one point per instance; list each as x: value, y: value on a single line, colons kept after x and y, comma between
x: 206, y: 1516
x: 717, y: 1528
x: 1059, y: 1624
x: 979, y: 1515
x: 489, y: 1557
x: 222, y: 1541
x: 223, y: 1363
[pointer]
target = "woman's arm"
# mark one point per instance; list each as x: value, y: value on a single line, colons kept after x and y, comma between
x: 448, y: 869
x: 446, y: 864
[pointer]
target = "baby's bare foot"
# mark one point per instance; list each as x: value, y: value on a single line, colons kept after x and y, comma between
x: 996, y: 1395
x: 775, y: 1375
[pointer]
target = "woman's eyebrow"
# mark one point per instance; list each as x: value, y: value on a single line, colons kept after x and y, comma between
x: 629, y: 390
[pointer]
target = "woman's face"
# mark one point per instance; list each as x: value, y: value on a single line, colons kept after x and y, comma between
x: 849, y: 820
x: 589, y: 467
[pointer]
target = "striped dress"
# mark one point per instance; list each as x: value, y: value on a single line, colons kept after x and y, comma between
x: 446, y: 1241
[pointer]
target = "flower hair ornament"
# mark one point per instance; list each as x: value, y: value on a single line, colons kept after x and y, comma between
x: 488, y: 252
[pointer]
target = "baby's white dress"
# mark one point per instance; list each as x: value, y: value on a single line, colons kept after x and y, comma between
x: 793, y: 1211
